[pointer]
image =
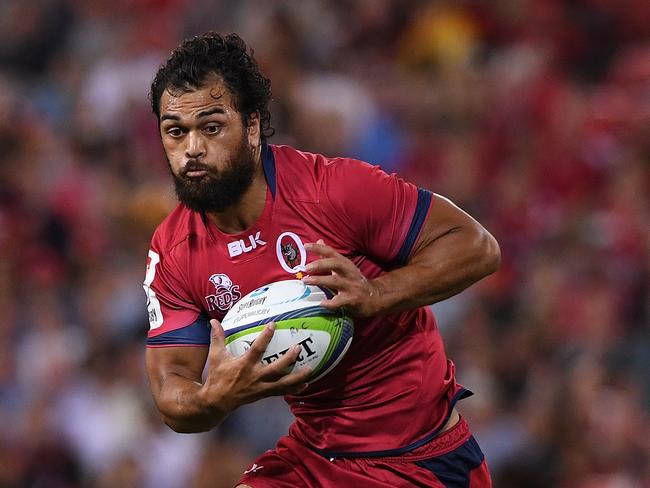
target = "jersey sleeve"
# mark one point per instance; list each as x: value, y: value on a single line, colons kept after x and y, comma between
x: 174, y: 319
x: 380, y: 214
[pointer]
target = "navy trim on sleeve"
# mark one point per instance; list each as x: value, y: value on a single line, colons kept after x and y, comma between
x: 268, y: 163
x: 421, y: 209
x: 195, y: 334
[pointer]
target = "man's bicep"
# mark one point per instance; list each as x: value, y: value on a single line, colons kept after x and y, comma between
x: 443, y: 218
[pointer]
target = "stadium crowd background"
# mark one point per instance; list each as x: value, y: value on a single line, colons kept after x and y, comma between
x: 534, y: 115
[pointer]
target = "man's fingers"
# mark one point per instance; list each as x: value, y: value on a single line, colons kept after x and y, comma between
x: 334, y: 303
x: 256, y: 352
x: 333, y: 282
x: 291, y: 383
x: 217, y: 351
x: 217, y: 335
x: 280, y: 366
x: 320, y: 248
x: 326, y: 265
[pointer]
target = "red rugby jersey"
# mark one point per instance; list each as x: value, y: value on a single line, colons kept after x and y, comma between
x: 395, y: 387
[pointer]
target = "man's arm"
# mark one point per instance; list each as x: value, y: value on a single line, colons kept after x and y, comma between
x: 452, y: 252
x: 189, y: 405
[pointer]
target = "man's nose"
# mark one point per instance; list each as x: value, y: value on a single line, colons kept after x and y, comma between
x: 195, y: 146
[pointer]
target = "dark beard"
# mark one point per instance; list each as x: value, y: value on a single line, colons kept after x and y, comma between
x: 215, y: 192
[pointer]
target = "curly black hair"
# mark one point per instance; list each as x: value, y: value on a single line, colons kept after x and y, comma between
x: 226, y: 55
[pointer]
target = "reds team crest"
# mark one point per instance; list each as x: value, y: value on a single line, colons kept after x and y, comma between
x: 225, y: 293
x: 291, y: 253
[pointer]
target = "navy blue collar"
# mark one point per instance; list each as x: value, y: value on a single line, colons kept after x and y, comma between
x: 268, y: 164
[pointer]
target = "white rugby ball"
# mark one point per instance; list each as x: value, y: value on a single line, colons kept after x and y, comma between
x: 324, y: 335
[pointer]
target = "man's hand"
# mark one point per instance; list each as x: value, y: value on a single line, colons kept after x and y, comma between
x: 333, y: 270
x: 188, y: 404
x: 234, y: 381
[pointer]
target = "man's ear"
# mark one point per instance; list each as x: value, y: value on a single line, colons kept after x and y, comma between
x: 253, y: 129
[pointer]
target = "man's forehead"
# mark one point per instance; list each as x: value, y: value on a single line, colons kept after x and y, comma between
x: 212, y: 92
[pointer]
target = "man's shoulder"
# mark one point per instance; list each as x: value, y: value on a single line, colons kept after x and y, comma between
x: 291, y: 160
x: 306, y: 160
x: 311, y: 169
x: 177, y: 227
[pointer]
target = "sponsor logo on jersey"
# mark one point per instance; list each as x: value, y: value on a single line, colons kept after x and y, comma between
x: 253, y: 469
x: 153, y: 304
x: 235, y: 248
x: 291, y: 252
x: 225, y: 293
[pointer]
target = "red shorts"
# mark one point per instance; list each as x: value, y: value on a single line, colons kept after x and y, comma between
x: 451, y: 460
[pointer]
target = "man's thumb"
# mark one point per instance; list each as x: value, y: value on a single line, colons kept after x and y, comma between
x: 217, y: 335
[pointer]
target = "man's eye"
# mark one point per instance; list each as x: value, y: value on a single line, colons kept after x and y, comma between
x: 212, y: 129
x: 174, y: 132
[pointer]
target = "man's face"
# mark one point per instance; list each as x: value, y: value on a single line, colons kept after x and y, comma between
x: 209, y: 150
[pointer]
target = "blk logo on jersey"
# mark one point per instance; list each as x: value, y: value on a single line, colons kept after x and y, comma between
x: 225, y: 293
x: 241, y: 246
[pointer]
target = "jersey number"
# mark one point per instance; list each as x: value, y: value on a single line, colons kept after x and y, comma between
x: 153, y: 305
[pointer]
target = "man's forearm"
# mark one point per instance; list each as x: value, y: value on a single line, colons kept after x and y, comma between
x: 440, y: 270
x: 182, y: 407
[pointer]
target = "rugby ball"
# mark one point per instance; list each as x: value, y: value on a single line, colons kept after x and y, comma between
x: 324, y: 335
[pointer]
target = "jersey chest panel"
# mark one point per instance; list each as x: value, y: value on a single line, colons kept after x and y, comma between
x: 224, y: 270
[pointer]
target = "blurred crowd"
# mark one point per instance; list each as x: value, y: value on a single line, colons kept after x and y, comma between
x: 533, y: 115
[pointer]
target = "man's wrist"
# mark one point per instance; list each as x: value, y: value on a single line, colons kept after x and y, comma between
x: 375, y: 304
x: 211, y: 405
